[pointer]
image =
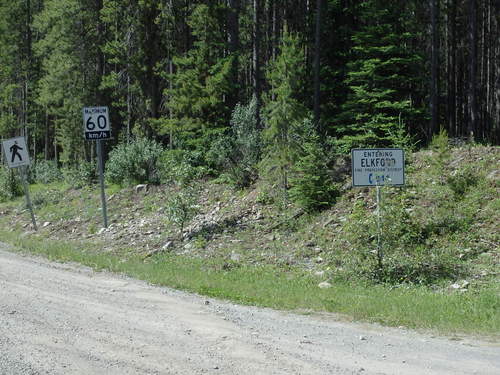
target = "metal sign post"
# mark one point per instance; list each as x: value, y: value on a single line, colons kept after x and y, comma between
x: 17, y: 156
x: 378, y: 167
x: 97, y: 127
x: 380, y: 254
x: 24, y: 177
x: 100, y: 163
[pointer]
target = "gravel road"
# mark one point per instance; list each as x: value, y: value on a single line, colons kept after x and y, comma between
x: 67, y: 319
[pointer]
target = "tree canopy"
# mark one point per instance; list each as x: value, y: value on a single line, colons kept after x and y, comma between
x: 374, y: 73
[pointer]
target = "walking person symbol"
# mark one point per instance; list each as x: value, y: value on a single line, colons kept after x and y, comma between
x: 14, y: 150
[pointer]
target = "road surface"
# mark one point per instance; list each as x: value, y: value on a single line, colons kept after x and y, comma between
x: 67, y: 319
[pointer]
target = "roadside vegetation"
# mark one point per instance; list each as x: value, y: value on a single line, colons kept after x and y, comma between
x: 228, y: 169
x: 437, y: 266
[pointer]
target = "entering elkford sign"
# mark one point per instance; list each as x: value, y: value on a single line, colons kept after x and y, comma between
x: 381, y: 166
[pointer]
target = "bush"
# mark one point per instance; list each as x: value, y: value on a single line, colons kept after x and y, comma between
x: 181, y: 206
x: 10, y: 184
x: 407, y: 251
x: 45, y: 197
x: 46, y: 172
x: 462, y: 181
x: 134, y: 163
x: 84, y: 174
x: 239, y: 152
x: 440, y: 142
x: 180, y: 167
x: 311, y: 186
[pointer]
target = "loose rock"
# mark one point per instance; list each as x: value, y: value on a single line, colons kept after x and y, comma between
x: 324, y: 285
x: 167, y: 245
x: 141, y: 188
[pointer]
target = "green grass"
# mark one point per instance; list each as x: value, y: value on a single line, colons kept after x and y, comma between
x: 475, y: 312
x: 443, y: 225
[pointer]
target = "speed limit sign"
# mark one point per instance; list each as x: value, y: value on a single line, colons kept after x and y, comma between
x: 96, y: 123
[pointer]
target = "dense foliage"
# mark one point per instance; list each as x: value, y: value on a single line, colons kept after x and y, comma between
x: 232, y: 85
x: 135, y: 162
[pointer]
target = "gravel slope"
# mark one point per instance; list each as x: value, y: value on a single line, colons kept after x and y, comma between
x: 66, y: 319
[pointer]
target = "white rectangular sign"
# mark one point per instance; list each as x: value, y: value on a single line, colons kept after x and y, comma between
x: 96, y: 123
x: 16, y: 152
x: 379, y: 166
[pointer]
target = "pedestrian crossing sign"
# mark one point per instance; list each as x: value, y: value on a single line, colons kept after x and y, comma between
x: 16, y: 153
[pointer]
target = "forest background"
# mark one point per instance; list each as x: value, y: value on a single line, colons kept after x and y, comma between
x: 268, y: 96
x: 252, y: 88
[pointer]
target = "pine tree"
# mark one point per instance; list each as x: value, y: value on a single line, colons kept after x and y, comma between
x: 383, y: 70
x: 312, y: 188
x: 284, y: 111
x: 201, y: 82
x: 138, y: 41
x: 70, y: 76
x: 15, y: 67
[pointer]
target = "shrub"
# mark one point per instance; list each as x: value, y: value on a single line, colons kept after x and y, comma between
x: 462, y: 181
x: 406, y: 251
x: 45, y: 197
x: 180, y: 167
x: 10, y: 184
x: 311, y: 186
x: 181, y: 206
x: 239, y: 152
x: 84, y: 174
x: 46, y: 172
x: 440, y: 142
x: 134, y: 163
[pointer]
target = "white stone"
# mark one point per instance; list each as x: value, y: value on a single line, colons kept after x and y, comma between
x: 235, y: 257
x: 167, y: 245
x: 141, y: 188
x: 324, y: 285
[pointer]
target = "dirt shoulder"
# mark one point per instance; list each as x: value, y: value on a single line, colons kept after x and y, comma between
x: 65, y: 319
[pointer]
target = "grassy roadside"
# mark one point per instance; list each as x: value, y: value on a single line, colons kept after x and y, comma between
x: 440, y: 244
x: 473, y: 313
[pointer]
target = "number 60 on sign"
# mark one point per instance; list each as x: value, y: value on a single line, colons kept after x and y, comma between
x: 96, y: 123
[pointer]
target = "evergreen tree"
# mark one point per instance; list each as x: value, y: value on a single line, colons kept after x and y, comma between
x: 284, y: 111
x: 311, y: 187
x: 174, y: 70
x: 16, y: 67
x: 70, y: 75
x: 380, y: 77
x: 201, y: 82
x: 135, y: 49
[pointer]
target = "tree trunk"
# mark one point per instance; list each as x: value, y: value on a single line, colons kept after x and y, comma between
x: 100, y: 55
x: 452, y: 67
x: 256, y: 59
x: 317, y: 62
x: 170, y: 111
x: 496, y: 85
x: 473, y: 113
x: 490, y: 53
x: 47, y: 136
x: 234, y: 48
x: 434, y: 69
